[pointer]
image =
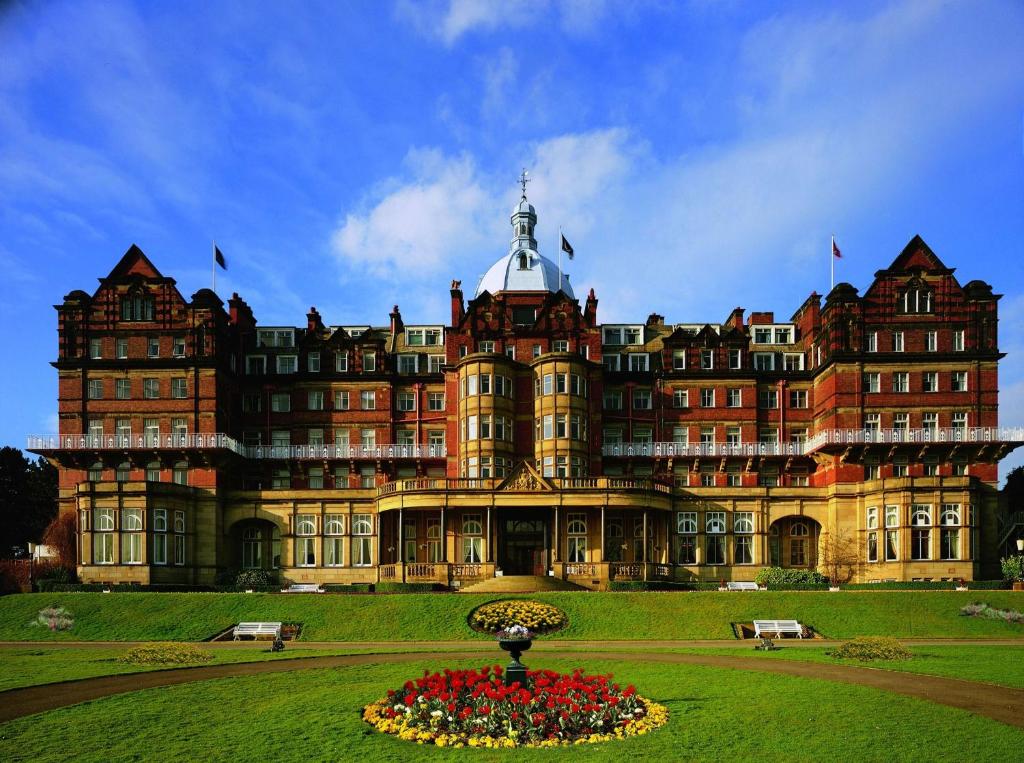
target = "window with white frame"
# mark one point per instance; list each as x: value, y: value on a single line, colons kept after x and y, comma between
x: 735, y: 359
x: 764, y: 361
x: 284, y: 337
x: 714, y: 522
x: 872, y: 382
x: 897, y: 341
x: 931, y: 341
x: 686, y: 522
x: 872, y: 341
x: 305, y: 542
x: 435, y: 363
x: 435, y: 401
x: 121, y: 348
x: 958, y: 340
x: 362, y: 530
x: 707, y: 397
x: 768, y: 398
x: 872, y: 517
x: 367, y: 400
x: 680, y: 398
x: 472, y: 539
x: 281, y: 402
x: 369, y: 362
x: 287, y: 364
x: 678, y: 360
x: 707, y: 359
x: 341, y: 361
x: 930, y: 381
x: 798, y: 398
x: 920, y: 534
x: 179, y: 538
x: 901, y: 381
x: 958, y: 381
x: 408, y: 364
x: 341, y: 399
x: 641, y: 399
x: 639, y: 361
x: 406, y: 401
x: 734, y: 397
x: 150, y: 389
x: 576, y: 529
x: 255, y: 365
x: 315, y: 400
x: 793, y: 361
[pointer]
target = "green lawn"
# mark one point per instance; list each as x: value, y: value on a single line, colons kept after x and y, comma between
x: 1003, y: 665
x: 716, y: 714
x: 606, y: 616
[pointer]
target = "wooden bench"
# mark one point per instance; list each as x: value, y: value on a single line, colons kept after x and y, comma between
x: 303, y: 588
x: 257, y: 630
x: 767, y: 628
x: 742, y: 586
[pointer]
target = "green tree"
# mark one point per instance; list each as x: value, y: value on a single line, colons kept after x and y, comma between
x: 28, y: 500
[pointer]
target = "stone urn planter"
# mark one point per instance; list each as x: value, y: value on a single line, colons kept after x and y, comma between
x: 1018, y: 585
x: 515, y: 641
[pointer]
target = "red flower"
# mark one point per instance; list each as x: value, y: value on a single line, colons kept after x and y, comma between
x: 410, y: 698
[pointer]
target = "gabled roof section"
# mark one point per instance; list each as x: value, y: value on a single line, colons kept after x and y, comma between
x: 524, y: 478
x: 134, y: 265
x: 916, y: 256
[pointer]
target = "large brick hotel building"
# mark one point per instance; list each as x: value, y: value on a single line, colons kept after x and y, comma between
x: 526, y: 437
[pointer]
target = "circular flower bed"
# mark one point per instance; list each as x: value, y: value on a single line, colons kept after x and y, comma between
x: 474, y: 708
x: 534, y: 615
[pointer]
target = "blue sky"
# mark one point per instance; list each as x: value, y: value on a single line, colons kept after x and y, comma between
x: 357, y: 155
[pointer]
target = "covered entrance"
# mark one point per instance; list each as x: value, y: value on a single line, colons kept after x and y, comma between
x: 524, y: 542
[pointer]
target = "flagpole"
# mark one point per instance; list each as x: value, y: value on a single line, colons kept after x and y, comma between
x: 832, y: 261
x: 559, y: 256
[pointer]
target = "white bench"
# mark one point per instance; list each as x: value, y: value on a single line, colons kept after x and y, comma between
x: 257, y: 630
x: 742, y: 586
x: 767, y: 628
x: 303, y: 588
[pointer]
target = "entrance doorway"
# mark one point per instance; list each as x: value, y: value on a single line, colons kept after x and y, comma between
x: 523, y: 542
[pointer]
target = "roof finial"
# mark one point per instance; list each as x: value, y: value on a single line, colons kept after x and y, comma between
x: 523, y: 180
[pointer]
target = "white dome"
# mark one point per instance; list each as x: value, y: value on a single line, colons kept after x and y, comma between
x: 540, y: 274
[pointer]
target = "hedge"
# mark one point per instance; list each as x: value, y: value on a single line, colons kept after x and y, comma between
x: 407, y: 587
x: 928, y: 585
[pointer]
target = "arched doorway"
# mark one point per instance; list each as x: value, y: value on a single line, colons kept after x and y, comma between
x: 256, y: 545
x: 793, y: 542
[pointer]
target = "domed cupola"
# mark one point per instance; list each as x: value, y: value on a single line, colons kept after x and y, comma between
x: 523, y: 268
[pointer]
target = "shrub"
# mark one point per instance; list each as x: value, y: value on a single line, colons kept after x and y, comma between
x: 1013, y: 568
x: 405, y: 587
x: 654, y: 585
x: 254, y: 579
x: 347, y: 587
x: 980, y: 609
x: 779, y: 576
x: 165, y: 653
x: 872, y: 648
x: 55, y: 618
x: 535, y: 615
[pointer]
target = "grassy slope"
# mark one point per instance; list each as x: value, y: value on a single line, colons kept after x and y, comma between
x: 608, y: 616
x: 1002, y: 665
x: 716, y: 714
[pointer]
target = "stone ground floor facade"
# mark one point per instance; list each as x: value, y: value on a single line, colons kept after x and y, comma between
x: 589, y: 531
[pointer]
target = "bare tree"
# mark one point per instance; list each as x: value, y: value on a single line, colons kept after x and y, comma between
x: 840, y: 556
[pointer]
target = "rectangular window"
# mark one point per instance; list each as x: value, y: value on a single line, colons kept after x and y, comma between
x: 680, y: 398
x: 686, y: 552
x: 178, y: 347
x: 872, y: 517
x: 686, y: 522
x: 123, y: 389
x: 369, y: 362
x: 764, y: 361
x: 959, y: 421
x: 641, y: 399
x: 872, y: 341
x: 255, y: 365
x: 744, y: 550
x: 435, y: 401
x: 931, y: 343
x: 929, y: 381
x: 639, y: 362
x: 95, y: 389
x: 341, y: 361
x: 287, y: 364
x: 613, y: 400
x: 368, y: 400
x: 735, y: 359
x: 315, y: 400
x: 406, y: 401
x: 958, y: 341
x: 151, y: 388
x: 122, y: 349
x: 341, y: 399
x: 179, y: 550
x: 153, y: 347
x: 768, y: 398
x: 179, y: 388
x: 707, y: 359
x: 958, y: 381
x: 281, y: 402
x: 949, y: 543
x: 678, y: 360
x: 872, y: 382
x: 901, y: 382
x: 707, y: 397
x: 897, y: 341
x: 873, y: 546
x: 313, y: 362
x: 408, y: 364
x: 435, y: 363
x: 798, y: 398
x: 715, y: 550
x: 734, y: 398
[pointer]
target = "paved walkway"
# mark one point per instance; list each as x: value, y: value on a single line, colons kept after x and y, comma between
x: 1000, y: 703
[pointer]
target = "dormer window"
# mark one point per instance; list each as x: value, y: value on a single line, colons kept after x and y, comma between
x: 917, y: 299
x: 524, y: 261
x: 136, y: 306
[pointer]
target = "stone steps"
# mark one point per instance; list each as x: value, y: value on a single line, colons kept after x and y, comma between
x: 521, y: 584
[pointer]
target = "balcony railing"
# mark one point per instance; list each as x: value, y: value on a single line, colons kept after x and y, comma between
x: 418, y: 484
x: 667, y: 449
x: 975, y: 435
x: 189, y: 441
x: 300, y: 452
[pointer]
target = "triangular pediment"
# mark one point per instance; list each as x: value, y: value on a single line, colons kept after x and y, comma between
x: 134, y: 264
x: 524, y: 478
x: 917, y: 256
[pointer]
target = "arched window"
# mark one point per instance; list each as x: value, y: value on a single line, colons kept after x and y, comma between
x: 917, y: 299
x: 136, y: 306
x: 921, y: 515
x: 798, y: 530
x: 523, y: 262
x: 252, y: 548
x: 577, y: 524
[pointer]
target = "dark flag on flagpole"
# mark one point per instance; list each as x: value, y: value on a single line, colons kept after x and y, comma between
x: 567, y: 247
x: 218, y: 255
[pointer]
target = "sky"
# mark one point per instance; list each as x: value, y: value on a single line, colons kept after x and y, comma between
x: 357, y: 155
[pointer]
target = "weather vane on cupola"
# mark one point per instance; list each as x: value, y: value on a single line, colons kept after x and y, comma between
x: 523, y: 180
